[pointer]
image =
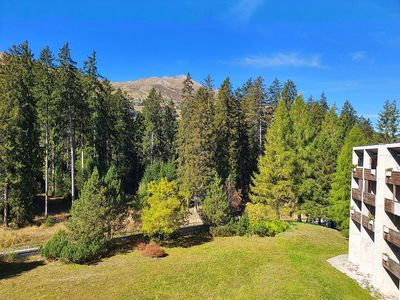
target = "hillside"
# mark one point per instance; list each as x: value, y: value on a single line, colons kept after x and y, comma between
x: 290, y: 266
x: 169, y: 86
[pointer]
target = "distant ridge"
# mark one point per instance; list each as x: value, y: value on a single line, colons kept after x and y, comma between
x: 169, y: 86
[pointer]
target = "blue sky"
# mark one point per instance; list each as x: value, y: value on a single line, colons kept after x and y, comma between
x: 349, y: 49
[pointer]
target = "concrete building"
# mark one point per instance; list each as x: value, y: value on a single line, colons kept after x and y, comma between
x: 374, y: 236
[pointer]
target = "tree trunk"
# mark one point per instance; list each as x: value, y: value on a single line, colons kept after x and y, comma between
x: 5, y: 199
x: 82, y: 161
x: 46, y: 172
x: 72, y: 141
x: 53, y: 169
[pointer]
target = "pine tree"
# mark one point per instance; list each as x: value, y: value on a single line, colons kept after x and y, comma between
x: 69, y: 98
x: 20, y: 156
x: 303, y: 135
x: 289, y: 92
x: 215, y: 209
x: 348, y: 118
x: 340, y: 193
x: 196, y: 163
x: 388, y: 122
x: 273, y: 185
x: 44, y: 88
x: 327, y: 146
x: 227, y: 139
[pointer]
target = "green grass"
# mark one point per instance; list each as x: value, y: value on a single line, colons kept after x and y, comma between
x: 290, y: 266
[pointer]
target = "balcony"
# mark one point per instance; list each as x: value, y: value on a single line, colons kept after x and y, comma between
x: 392, y: 207
x: 370, y: 174
x: 391, y: 265
x: 358, y: 173
x: 393, y: 177
x: 356, y: 216
x: 391, y: 236
x: 367, y: 223
x: 356, y: 194
x: 369, y: 199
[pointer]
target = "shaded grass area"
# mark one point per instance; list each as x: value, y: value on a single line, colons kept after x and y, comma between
x: 290, y: 266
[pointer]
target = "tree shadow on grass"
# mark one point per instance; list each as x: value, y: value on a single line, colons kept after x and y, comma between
x: 188, y: 237
x: 9, y: 270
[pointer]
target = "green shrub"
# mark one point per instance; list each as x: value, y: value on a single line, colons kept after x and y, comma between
x: 82, y: 252
x: 268, y: 228
x: 223, y: 230
x: 49, y: 221
x: 54, y: 247
x: 242, y: 225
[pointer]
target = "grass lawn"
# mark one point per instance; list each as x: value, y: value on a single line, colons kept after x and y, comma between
x: 290, y: 266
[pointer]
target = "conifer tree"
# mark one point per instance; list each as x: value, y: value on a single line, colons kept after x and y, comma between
x: 69, y: 98
x: 227, y: 138
x: 348, y: 118
x: 215, y: 209
x: 44, y: 88
x: 19, y: 148
x: 196, y: 164
x: 327, y: 146
x: 303, y: 135
x: 340, y: 193
x: 289, y: 92
x: 273, y: 184
x: 388, y: 122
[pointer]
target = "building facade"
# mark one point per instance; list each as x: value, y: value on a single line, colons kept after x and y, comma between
x: 374, y: 231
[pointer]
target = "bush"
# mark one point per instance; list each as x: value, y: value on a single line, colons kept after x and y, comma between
x: 268, y: 228
x: 215, y: 209
x: 153, y: 250
x: 243, y: 226
x: 259, y: 212
x: 164, y: 209
x: 82, y: 252
x: 54, y: 247
x: 49, y: 221
x: 140, y: 246
x: 224, y: 230
x: 61, y: 247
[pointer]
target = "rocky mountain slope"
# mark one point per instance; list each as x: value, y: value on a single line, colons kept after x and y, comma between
x: 169, y: 86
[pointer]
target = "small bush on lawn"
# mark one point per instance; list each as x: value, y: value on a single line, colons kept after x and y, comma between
x: 54, y: 247
x: 224, y: 230
x: 61, y: 247
x: 267, y: 228
x: 153, y: 250
x: 243, y: 226
x: 140, y: 246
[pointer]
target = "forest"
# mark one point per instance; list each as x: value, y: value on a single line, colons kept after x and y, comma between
x: 247, y: 159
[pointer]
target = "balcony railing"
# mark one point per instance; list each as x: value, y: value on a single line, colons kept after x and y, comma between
x: 356, y: 216
x: 356, y: 194
x: 369, y: 199
x: 391, y: 265
x: 393, y: 177
x: 392, y: 207
x: 391, y: 236
x: 358, y: 173
x: 367, y: 223
x: 370, y: 174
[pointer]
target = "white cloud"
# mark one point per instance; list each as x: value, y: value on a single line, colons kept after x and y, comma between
x: 281, y: 60
x: 358, y: 56
x: 243, y: 10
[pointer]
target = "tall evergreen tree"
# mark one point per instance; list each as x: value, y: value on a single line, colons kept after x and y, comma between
x: 196, y: 164
x: 273, y: 185
x: 44, y: 88
x: 303, y: 135
x: 227, y: 138
x: 19, y: 148
x: 289, y: 92
x: 340, y: 193
x: 69, y: 98
x: 388, y: 122
x: 348, y: 118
